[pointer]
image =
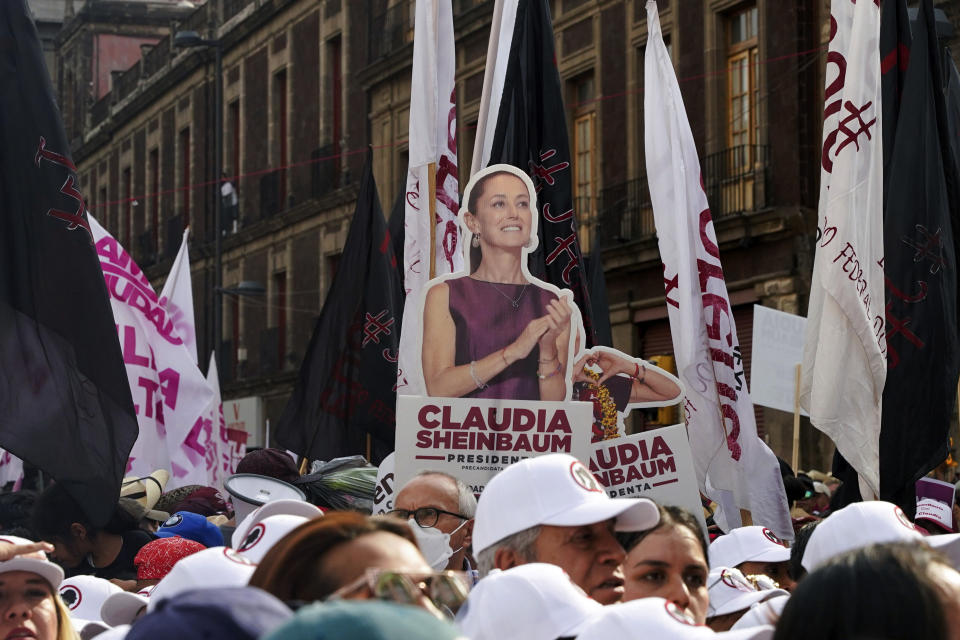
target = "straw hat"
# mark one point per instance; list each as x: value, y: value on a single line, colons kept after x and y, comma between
x: 145, y: 490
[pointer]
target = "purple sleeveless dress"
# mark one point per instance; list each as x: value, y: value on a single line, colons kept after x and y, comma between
x: 486, y: 322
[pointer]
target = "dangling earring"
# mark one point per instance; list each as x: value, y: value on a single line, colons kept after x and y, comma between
x: 475, y: 243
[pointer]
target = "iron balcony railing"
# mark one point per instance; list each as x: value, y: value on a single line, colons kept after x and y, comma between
x: 736, y: 182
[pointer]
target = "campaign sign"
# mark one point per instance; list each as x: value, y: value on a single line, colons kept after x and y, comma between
x: 474, y: 439
x: 654, y: 464
x: 383, y: 493
x: 777, y: 350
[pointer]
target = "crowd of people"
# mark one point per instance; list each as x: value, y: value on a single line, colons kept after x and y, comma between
x: 544, y: 553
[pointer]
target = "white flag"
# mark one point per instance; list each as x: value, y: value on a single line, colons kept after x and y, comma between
x: 844, y: 357
x: 498, y: 57
x: 169, y: 392
x: 177, y: 298
x: 432, y: 150
x: 734, y: 467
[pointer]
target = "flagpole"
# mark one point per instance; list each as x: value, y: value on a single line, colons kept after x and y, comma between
x: 432, y: 192
x: 796, y: 418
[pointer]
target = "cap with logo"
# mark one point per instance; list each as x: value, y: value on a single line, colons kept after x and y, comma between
x: 936, y: 512
x: 156, y: 558
x: 864, y: 523
x: 191, y: 526
x: 554, y: 489
x: 84, y: 595
x: 122, y: 608
x: 254, y: 540
x: 659, y: 618
x: 35, y: 562
x: 531, y: 601
x: 730, y: 591
x: 748, y: 544
x: 214, y: 568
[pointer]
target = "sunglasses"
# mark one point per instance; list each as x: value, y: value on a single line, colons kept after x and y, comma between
x: 444, y: 591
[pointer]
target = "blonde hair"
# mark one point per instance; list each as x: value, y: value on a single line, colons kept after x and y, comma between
x: 65, y: 630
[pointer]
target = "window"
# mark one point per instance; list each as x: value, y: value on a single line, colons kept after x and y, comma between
x: 743, y: 88
x: 280, y: 307
x: 127, y: 225
x: 153, y: 166
x: 336, y: 103
x: 280, y: 132
x: 185, y: 184
x: 583, y: 93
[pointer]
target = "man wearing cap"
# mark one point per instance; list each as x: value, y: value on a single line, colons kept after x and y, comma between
x: 551, y: 509
x: 440, y: 509
x: 754, y: 551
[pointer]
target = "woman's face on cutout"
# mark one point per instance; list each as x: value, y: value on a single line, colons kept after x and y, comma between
x: 503, y: 217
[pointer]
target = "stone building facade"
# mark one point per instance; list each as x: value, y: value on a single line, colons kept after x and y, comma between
x: 309, y: 83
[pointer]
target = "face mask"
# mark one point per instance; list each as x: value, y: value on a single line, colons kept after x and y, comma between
x: 435, y: 545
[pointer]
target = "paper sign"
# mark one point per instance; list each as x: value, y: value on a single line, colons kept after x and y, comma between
x: 654, y: 464
x: 386, y: 487
x: 932, y: 489
x: 777, y: 350
x: 473, y: 439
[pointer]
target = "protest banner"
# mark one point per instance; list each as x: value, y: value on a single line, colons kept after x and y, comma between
x: 385, y: 489
x: 777, y: 350
x: 473, y: 439
x: 654, y: 464
x: 169, y: 392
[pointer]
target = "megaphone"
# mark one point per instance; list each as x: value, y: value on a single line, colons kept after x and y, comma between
x: 250, y: 491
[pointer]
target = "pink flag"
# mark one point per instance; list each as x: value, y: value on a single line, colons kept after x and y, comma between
x: 169, y: 392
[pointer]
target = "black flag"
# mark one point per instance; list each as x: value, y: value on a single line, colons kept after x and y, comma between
x: 347, y: 379
x: 920, y: 261
x: 531, y: 133
x: 65, y: 403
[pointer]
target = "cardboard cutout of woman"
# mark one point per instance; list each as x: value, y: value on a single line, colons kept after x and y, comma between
x: 496, y: 331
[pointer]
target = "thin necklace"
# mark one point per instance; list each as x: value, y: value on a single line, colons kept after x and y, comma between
x: 513, y: 301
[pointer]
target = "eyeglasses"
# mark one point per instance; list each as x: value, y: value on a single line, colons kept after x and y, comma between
x: 424, y: 516
x: 444, y: 591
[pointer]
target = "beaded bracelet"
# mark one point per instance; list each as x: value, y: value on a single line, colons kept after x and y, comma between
x: 551, y: 374
x: 476, y: 379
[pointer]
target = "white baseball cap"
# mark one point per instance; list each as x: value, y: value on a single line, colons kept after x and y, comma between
x: 554, y: 489
x: 935, y: 511
x: 122, y: 608
x: 84, y: 595
x: 864, y: 523
x: 730, y: 591
x: 533, y: 601
x: 748, y: 544
x: 762, y: 613
x: 35, y: 562
x: 266, y: 533
x: 211, y: 568
x: 284, y: 507
x: 659, y: 618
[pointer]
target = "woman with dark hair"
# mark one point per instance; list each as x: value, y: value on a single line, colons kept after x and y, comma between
x: 496, y: 333
x: 896, y: 591
x: 668, y: 561
x: 326, y: 554
x: 83, y: 548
